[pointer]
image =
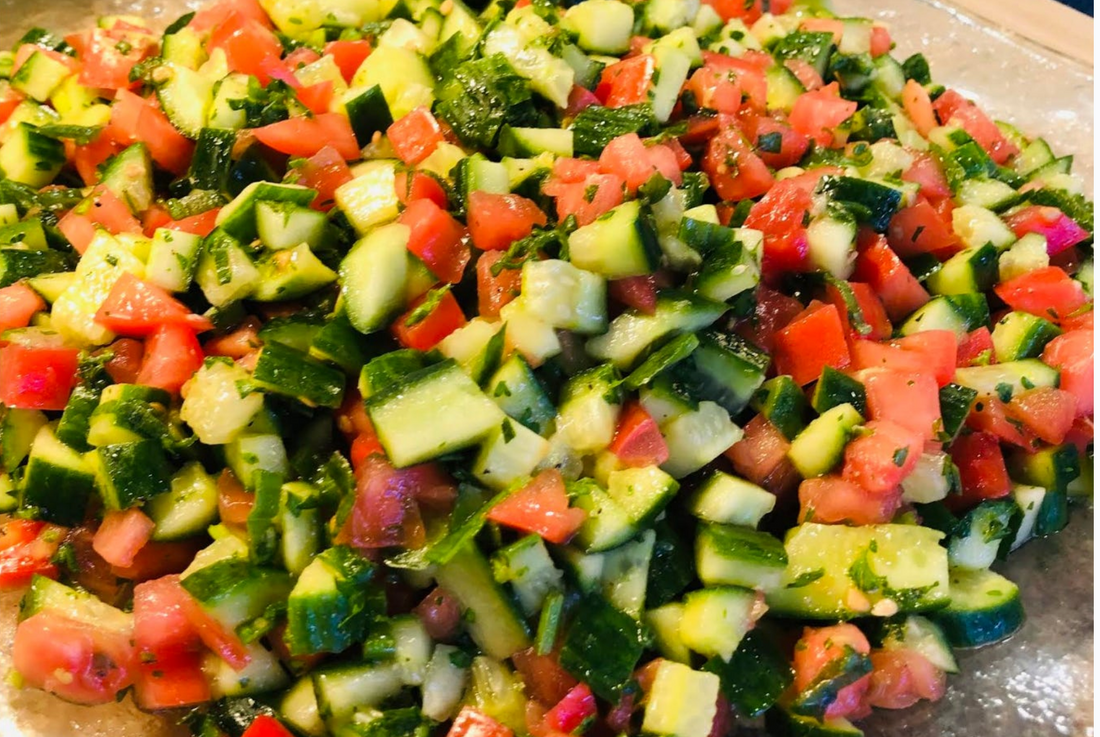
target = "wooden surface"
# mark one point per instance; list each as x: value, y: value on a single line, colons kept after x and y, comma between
x: 1044, y: 21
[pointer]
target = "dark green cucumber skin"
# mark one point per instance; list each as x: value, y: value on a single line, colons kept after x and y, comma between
x: 835, y: 388
x: 283, y: 370
x: 55, y: 494
x: 755, y: 676
x: 955, y: 404
x: 783, y: 403
x: 137, y: 471
x: 967, y: 629
x: 369, y: 114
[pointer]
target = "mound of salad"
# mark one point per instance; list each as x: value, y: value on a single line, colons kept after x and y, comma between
x: 375, y: 368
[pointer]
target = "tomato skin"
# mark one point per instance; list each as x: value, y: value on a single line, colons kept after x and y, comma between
x: 215, y: 636
x: 386, y: 511
x: 938, y: 352
x: 440, y: 613
x: 121, y: 535
x: 412, y: 186
x: 74, y: 660
x: 1072, y: 353
x: 874, y: 314
x: 326, y: 171
x: 637, y: 292
x: 817, y: 649
x: 161, y: 628
x: 976, y: 348
x: 134, y: 119
x: 348, y: 55
x: 734, y: 169
x: 816, y: 114
x: 217, y: 13
x: 991, y: 415
x: 792, y: 147
x: 544, y: 678
x: 572, y: 711
x: 881, y: 458
x: 835, y: 500
x: 237, y: 344
x: 446, y: 318
x: 634, y: 163
x: 903, y: 677
x: 40, y: 377
x: 919, y: 229
x: 908, y: 399
x: 234, y: 503
x: 780, y: 215
x: 180, y: 683
x: 172, y: 356
x: 638, y: 441
x: 1060, y: 230
x: 926, y: 172
x: 627, y: 82
x: 951, y: 106
x: 247, y: 44
x: 27, y: 548
x: 1048, y: 293
x: 437, y: 239
x: 541, y: 507
x: 587, y: 199
x: 103, y: 63
x: 415, y: 136
x: 880, y: 267
x: 472, y: 723
x: 716, y: 89
x: 493, y: 292
x: 497, y: 220
x: 981, y: 467
x: 813, y: 340
x: 307, y: 136
x: 761, y: 455
x: 18, y: 303
x: 265, y: 726
x: 136, y: 308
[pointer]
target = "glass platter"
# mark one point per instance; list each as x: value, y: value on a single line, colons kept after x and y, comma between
x: 1040, y: 683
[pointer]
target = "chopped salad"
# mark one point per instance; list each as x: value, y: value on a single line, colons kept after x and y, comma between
x: 373, y: 368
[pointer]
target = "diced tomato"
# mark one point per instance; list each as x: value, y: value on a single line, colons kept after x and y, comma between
x: 919, y: 229
x: 348, y: 55
x: 882, y: 456
x: 637, y: 292
x: 234, y: 503
x: 133, y: 120
x: 881, y: 43
x: 834, y: 500
x: 572, y: 171
x: 627, y: 82
x: 631, y: 161
x: 901, y: 678
x: 587, y: 199
x: 835, y: 26
x: 716, y: 89
x: 541, y: 507
x: 441, y: 614
x: 102, y: 208
x: 816, y: 114
x: 215, y: 636
x: 935, y: 353
x: 895, y: 285
x: 578, y: 706
x: 951, y: 106
x: 497, y: 220
x: 158, y: 559
x: 781, y: 216
x: 437, y: 239
x: 301, y: 57
x: 135, y: 307
x: 473, y: 723
x: 750, y: 11
x: 87, y: 158
x: 18, y: 303
x: 813, y: 340
x: 908, y: 399
x: 247, y: 44
x: 172, y: 356
x: 109, y: 55
x: 981, y: 467
x: 991, y: 415
x: 27, y: 548
x: 495, y: 291
x: 385, y: 513
x: 126, y: 356
x: 1081, y: 434
x: 927, y: 172
x: 25, y: 52
x: 9, y: 100
x: 1060, y: 230
x: 162, y: 631
x: 265, y: 726
x: 180, y: 683
x: 217, y: 13
x: 1049, y: 293
x: 807, y: 74
x: 238, y: 343
x: 774, y: 311
x: 543, y: 676
x: 792, y: 144
x: 80, y: 662
x: 1072, y: 353
x: 425, y: 333
x: 37, y: 376
x: 918, y: 106
x: 734, y: 169
x: 1046, y: 411
x: 326, y: 171
x: 976, y: 348
x: 761, y: 450
x: 413, y: 186
x: 638, y: 441
x: 121, y: 535
x: 307, y: 136
x: 415, y: 135
x: 876, y: 325
x: 818, y: 649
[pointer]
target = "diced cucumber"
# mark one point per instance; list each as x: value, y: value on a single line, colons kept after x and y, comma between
x: 263, y: 674
x: 632, y: 332
x: 128, y: 473
x: 528, y: 333
x: 923, y: 636
x: 681, y: 702
x: 985, y: 608
x: 509, y: 455
x: 730, y: 500
x: 1029, y: 502
x: 1024, y: 256
x: 402, y: 75
x: 47, y: 595
x: 523, y: 142
x: 30, y: 158
x: 332, y: 603
x: 173, y: 256
x: 782, y: 722
x: 188, y: 508
x: 516, y: 390
x: 344, y: 689
x: 225, y: 271
x: 739, y: 556
x: 715, y: 619
x: 129, y: 175
x: 527, y: 566
x: 835, y: 388
x: 283, y: 370
x: 980, y: 534
x: 184, y: 95
x: 18, y: 430
x: 1022, y: 335
x: 444, y: 684
x: 589, y: 409
x: 299, y: 708
x: 1011, y: 377
x: 283, y: 225
x: 977, y: 226
x: 620, y: 243
x: 602, y: 26
x: 564, y: 295
x: 930, y: 479
x: 57, y: 480
x: 372, y: 277
x: 666, y: 623
x: 698, y: 437
x: 218, y: 407
x: 39, y: 76
x: 971, y: 270
x: 959, y: 313
x: 725, y: 368
x: 819, y: 448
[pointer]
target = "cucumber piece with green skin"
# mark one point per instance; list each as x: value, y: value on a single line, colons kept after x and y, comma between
x: 716, y: 618
x: 493, y: 622
x: 225, y: 271
x: 372, y: 277
x: 282, y: 225
x: 337, y: 342
x: 755, y: 676
x: 173, y: 257
x: 17, y: 264
x: 668, y: 355
x: 238, y: 218
x: 784, y: 88
x: 730, y: 500
x: 188, y: 508
x: 959, y: 313
x: 18, y: 430
x: 128, y: 473
x: 332, y: 603
x: 971, y: 270
x: 234, y: 591
x: 955, y: 404
x: 342, y: 690
x: 215, y: 408
x: 783, y: 403
x: 665, y: 622
x: 389, y: 369
x: 185, y: 96
x: 295, y: 331
x: 697, y: 437
x: 835, y: 388
x: 129, y: 176
x: 477, y: 346
x: 9, y: 495
x: 602, y: 646
x: 624, y: 574
x: 924, y: 636
x: 57, y: 481
x: 602, y: 26
x: 991, y: 194
x: 985, y: 608
x: 1029, y: 501
x: 620, y: 243
x: 608, y: 524
x: 47, y: 595
x: 681, y: 701
x: 27, y: 234
x: 291, y: 274
x: 821, y: 693
x: 814, y: 48
x: 1022, y: 335
x: 525, y: 142
x: 263, y: 674
x: 50, y: 286
x: 477, y: 174
x: 838, y: 572
x: 509, y: 455
x: 781, y: 722
x: 39, y: 76
x: 367, y: 112
x: 565, y: 296
x: 282, y: 370
x: 642, y: 493
x: 588, y: 411
x: 820, y: 447
x: 1054, y: 467
x: 1034, y: 156
x: 726, y: 555
x: 527, y: 566
x: 433, y: 412
x: 725, y: 369
x: 982, y: 534
x: 299, y: 708
x: 1009, y: 378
